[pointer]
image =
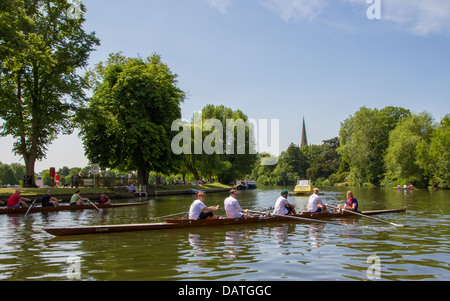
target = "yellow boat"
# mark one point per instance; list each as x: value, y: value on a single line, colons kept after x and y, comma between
x: 303, y: 186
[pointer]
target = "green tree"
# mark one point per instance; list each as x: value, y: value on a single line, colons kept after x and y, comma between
x: 327, y: 162
x: 401, y: 156
x: 433, y: 155
x: 7, y: 175
x: 41, y: 50
x: 364, y: 138
x: 211, y: 131
x: 292, y: 165
x: 127, y: 124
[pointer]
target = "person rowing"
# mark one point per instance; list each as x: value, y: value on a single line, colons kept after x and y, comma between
x: 104, y: 199
x: 350, y: 204
x: 315, y: 203
x: 49, y: 201
x: 76, y: 199
x: 232, y: 207
x: 17, y: 201
x: 198, y: 209
x: 282, y: 206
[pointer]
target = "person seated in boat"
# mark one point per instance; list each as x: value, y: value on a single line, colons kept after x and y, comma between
x: 232, y: 207
x: 282, y: 206
x: 351, y: 203
x: 76, y: 199
x: 315, y: 203
x: 198, y: 209
x: 17, y: 201
x: 48, y: 201
x: 104, y: 199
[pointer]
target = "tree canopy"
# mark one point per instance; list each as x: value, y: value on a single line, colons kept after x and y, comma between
x: 42, y: 48
x: 127, y: 123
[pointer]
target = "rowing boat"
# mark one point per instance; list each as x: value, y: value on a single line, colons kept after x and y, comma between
x: 173, y: 223
x: 66, y: 208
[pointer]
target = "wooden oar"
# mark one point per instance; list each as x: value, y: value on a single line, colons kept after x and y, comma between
x: 99, y: 210
x: 167, y: 216
x: 374, y: 218
x: 299, y: 218
x: 30, y: 207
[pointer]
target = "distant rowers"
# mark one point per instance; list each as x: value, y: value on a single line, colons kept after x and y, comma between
x: 198, y: 209
x: 350, y: 204
x: 76, y: 199
x: 282, y: 206
x: 104, y: 199
x: 17, y: 201
x: 49, y: 201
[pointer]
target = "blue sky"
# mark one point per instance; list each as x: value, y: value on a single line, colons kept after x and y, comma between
x: 280, y: 59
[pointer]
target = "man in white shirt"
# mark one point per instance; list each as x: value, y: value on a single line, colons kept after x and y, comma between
x: 282, y: 206
x: 232, y: 207
x: 198, y: 209
x: 315, y: 203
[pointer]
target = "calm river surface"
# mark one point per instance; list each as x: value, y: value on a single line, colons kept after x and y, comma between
x: 283, y: 251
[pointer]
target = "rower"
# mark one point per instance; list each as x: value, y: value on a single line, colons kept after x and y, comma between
x: 76, y: 199
x: 49, y: 201
x: 351, y: 203
x: 232, y: 207
x: 104, y: 199
x: 17, y: 201
x: 198, y: 209
x: 315, y: 203
x: 282, y: 206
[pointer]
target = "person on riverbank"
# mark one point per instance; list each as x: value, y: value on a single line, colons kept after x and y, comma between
x: 232, y: 207
x: 315, y: 203
x: 48, y: 201
x: 104, y: 199
x: 282, y: 206
x: 17, y: 201
x: 76, y: 199
x: 351, y: 203
x: 198, y: 209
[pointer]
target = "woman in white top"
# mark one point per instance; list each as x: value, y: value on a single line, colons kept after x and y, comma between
x: 315, y: 203
x: 198, y: 209
x: 232, y: 207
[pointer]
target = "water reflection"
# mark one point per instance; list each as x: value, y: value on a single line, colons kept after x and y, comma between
x: 279, y: 251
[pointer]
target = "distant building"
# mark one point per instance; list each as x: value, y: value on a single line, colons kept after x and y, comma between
x: 304, y: 140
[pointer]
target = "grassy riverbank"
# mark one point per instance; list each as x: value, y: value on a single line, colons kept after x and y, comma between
x: 6, y: 192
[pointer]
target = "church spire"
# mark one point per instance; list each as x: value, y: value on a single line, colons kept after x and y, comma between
x: 304, y: 140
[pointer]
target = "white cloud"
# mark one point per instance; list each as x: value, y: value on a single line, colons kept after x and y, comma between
x: 220, y: 5
x: 421, y: 17
x: 296, y: 9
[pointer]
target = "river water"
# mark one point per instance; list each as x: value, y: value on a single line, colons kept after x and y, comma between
x: 362, y: 249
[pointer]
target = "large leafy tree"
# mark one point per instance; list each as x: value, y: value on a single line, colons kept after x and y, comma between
x: 364, y: 138
x: 42, y: 47
x: 127, y: 123
x: 401, y: 155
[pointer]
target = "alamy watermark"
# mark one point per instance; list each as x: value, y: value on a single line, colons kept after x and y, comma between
x: 74, y: 270
x: 374, y: 10
x: 241, y: 137
x: 374, y: 271
x: 74, y: 10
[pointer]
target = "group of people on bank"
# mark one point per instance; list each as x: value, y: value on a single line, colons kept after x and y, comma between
x: 47, y: 200
x: 199, y: 210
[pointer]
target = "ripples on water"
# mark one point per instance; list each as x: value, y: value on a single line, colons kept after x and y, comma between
x: 282, y: 251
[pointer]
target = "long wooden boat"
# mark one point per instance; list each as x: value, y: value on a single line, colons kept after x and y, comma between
x: 66, y: 208
x: 174, y: 223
